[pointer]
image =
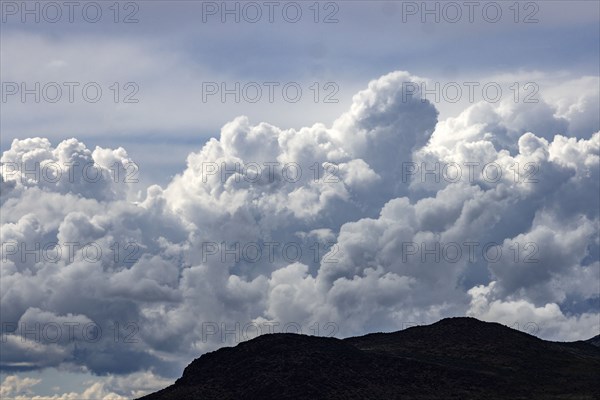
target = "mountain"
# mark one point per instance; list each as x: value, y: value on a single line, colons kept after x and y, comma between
x: 595, y: 341
x: 455, y: 358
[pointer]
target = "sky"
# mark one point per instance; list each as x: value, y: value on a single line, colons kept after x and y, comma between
x: 181, y: 176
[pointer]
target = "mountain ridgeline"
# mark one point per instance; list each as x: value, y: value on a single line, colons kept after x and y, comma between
x: 455, y: 358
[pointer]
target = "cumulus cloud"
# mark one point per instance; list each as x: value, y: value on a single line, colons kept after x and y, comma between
x: 13, y: 384
x: 386, y: 217
x: 15, y: 388
x: 69, y: 168
x: 546, y: 320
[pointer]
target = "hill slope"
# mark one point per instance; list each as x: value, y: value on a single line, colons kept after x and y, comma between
x: 455, y: 358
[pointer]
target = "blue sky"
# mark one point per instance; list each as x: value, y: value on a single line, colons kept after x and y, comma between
x: 179, y: 50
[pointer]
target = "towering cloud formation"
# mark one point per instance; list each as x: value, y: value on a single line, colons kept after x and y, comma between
x: 386, y: 218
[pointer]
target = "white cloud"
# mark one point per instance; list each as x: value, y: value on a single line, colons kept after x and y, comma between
x: 547, y: 321
x: 12, y: 384
x: 15, y: 388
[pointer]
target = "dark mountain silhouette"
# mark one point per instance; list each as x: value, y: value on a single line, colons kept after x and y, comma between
x: 455, y: 358
x: 595, y: 341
